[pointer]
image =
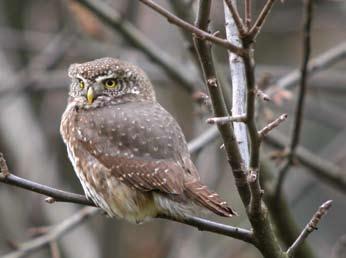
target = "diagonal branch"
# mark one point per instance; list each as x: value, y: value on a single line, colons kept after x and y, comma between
x: 310, y: 227
x: 256, y: 28
x: 265, y: 130
x: 193, y: 29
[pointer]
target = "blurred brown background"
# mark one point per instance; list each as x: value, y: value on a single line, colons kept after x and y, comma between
x: 38, y: 41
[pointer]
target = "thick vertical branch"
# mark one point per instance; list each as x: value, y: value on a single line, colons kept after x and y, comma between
x: 256, y: 210
x: 206, y: 60
x: 238, y: 78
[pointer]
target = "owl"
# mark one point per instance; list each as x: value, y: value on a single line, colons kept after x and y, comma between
x: 128, y: 152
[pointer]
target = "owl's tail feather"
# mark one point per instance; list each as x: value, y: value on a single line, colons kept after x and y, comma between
x: 208, y: 199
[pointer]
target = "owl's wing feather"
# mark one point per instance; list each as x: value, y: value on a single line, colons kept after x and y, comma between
x: 144, y: 175
x: 141, y: 144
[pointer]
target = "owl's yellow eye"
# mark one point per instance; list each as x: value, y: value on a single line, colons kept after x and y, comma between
x: 81, y: 84
x: 110, y: 83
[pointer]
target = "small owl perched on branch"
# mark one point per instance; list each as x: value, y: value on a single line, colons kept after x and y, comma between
x: 128, y: 152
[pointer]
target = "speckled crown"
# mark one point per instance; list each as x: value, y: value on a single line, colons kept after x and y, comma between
x: 106, y: 66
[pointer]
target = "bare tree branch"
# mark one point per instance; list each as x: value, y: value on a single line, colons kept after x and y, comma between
x: 256, y: 28
x: 310, y: 227
x: 206, y: 225
x: 56, y: 194
x: 230, y: 143
x: 226, y: 119
x: 265, y: 130
x: 196, y: 31
x: 63, y: 196
x: 238, y: 78
x: 267, y: 242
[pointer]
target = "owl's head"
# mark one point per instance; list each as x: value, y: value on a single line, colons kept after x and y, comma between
x: 106, y: 80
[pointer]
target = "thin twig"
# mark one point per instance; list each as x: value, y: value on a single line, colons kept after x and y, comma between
x: 193, y: 29
x: 256, y: 28
x: 310, y: 227
x: 226, y: 119
x: 265, y: 130
x: 53, y: 234
x: 262, y: 95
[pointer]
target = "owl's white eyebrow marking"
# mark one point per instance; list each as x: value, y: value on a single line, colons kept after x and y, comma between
x: 83, y: 79
x: 101, y: 78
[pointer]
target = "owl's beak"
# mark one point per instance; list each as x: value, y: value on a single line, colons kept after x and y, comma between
x: 90, y: 95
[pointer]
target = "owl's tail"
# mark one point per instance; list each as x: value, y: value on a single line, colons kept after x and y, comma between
x: 208, y: 199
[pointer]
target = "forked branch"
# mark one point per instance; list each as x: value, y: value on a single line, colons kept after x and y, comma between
x: 193, y: 29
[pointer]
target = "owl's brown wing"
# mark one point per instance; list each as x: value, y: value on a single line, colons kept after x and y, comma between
x: 140, y: 143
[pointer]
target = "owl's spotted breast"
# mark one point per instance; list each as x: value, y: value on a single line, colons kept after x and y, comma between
x: 143, y: 130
